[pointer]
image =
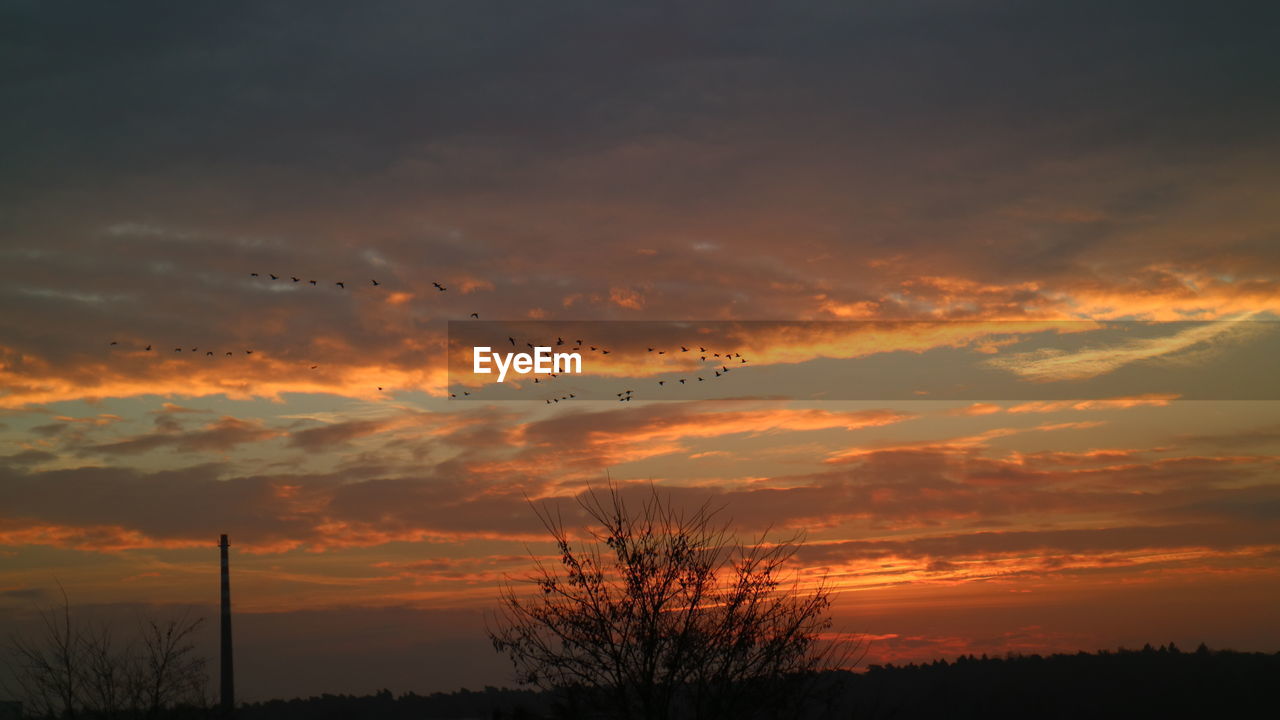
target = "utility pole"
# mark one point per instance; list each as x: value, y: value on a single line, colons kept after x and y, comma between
x: 228, y: 677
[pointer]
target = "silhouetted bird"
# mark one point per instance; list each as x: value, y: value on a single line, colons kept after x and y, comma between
x: 248, y: 352
x: 228, y: 354
x: 147, y: 348
x: 313, y: 282
x: 650, y: 349
x: 313, y: 367
x: 661, y: 383
x: 177, y: 349
x: 375, y: 283
x: 559, y: 341
x: 440, y: 287
x: 605, y: 352
x: 681, y: 381
x: 294, y: 278
x: 209, y: 354
x: 684, y: 349
x: 702, y: 349
x: 513, y: 341
x: 113, y: 342
x: 253, y: 274
x: 475, y: 315
x: 274, y: 277
x: 341, y: 285
x: 699, y: 379
x: 744, y: 360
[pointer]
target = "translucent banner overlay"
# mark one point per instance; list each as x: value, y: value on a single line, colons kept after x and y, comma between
x: 867, y: 360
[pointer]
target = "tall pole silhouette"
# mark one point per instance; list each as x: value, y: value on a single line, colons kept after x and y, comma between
x: 228, y: 678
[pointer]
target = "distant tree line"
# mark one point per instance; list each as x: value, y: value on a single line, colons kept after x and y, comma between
x: 1151, y: 682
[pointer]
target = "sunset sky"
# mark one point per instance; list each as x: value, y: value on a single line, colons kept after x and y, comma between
x: 921, y: 196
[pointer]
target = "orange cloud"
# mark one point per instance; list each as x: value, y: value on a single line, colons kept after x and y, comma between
x: 1118, y: 403
x: 626, y: 298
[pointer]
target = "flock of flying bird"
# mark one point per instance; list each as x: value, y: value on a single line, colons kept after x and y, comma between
x: 625, y: 396
x: 341, y: 285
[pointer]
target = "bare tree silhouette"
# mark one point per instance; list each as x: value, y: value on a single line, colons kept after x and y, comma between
x: 68, y: 668
x: 48, y: 670
x: 169, y: 671
x: 660, y: 613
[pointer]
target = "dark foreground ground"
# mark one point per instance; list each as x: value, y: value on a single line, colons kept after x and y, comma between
x: 1152, y: 682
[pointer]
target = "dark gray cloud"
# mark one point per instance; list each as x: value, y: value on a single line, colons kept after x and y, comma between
x: 27, y: 457
x: 333, y: 88
x: 220, y: 435
x: 326, y: 436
